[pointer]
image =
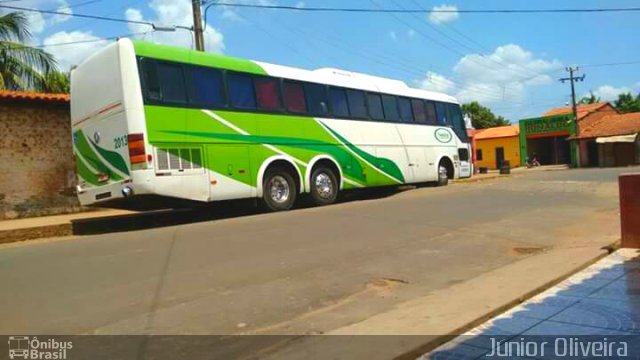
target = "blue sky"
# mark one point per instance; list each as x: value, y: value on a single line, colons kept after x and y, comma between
x: 510, y: 63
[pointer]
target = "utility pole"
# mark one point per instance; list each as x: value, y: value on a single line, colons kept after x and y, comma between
x: 197, y: 25
x: 573, y: 79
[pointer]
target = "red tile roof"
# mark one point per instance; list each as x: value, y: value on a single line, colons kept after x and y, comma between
x: 583, y: 110
x: 33, y: 96
x: 613, y: 125
x: 499, y: 132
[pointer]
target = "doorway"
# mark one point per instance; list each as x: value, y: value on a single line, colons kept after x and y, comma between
x: 499, y: 157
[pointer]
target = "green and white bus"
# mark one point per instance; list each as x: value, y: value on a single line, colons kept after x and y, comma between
x: 154, y: 119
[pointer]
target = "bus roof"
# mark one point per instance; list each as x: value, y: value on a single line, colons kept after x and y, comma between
x: 328, y: 76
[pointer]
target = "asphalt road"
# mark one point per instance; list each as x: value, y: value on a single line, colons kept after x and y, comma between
x: 300, y: 272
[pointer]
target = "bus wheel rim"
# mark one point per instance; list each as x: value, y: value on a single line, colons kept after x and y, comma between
x: 279, y: 189
x: 324, y: 185
x: 442, y: 172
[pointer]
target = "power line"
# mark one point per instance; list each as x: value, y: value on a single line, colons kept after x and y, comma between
x: 425, y: 11
x: 612, y: 64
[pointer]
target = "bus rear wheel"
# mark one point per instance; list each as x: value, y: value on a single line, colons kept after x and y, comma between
x: 324, y: 186
x: 279, y: 190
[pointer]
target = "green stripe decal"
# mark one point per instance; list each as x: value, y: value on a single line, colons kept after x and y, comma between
x: 84, y: 172
x: 113, y: 158
x: 85, y: 150
x: 385, y: 165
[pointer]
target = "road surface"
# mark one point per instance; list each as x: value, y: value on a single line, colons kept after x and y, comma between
x: 306, y: 271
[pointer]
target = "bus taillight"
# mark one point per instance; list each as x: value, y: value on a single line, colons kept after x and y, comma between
x: 137, y: 153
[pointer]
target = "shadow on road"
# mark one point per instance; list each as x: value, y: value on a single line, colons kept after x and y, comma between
x: 161, y: 212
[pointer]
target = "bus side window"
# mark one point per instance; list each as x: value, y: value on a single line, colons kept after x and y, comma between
x: 418, y: 111
x: 205, y: 87
x: 294, y: 99
x: 406, y: 114
x: 150, y: 80
x: 241, y: 94
x: 268, y: 93
x: 375, y: 106
x: 172, y: 84
x: 441, y: 110
x: 338, y: 102
x: 317, y: 102
x: 357, y: 104
x: 432, y: 118
x: 390, y: 106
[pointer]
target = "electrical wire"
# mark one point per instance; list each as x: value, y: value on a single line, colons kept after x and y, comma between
x: 424, y: 11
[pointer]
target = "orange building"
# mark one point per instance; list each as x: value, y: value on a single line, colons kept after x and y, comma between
x: 495, y: 145
x: 588, y: 116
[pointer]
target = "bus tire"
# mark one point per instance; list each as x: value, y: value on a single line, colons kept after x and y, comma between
x: 279, y: 190
x: 324, y: 186
x: 443, y: 175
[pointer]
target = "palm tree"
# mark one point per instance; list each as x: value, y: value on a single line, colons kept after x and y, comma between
x: 22, y: 67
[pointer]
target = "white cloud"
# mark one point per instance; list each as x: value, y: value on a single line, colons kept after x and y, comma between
x: 450, y: 15
x: 64, y: 8
x: 437, y: 82
x: 609, y: 93
x: 70, y: 55
x: 503, y: 76
x: 175, y: 12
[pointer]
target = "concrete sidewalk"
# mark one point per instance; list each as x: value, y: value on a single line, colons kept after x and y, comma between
x: 49, y: 226
x: 601, y: 300
x: 421, y: 325
x: 494, y: 174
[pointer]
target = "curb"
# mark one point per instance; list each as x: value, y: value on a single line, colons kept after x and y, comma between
x: 33, y: 233
x: 443, y: 339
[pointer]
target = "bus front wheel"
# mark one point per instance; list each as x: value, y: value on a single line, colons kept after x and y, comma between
x: 324, y: 186
x: 443, y: 175
x: 279, y: 190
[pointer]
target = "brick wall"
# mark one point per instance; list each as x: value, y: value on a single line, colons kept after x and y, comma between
x: 36, y: 160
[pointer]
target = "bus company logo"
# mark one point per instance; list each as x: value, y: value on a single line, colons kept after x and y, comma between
x: 96, y: 137
x: 443, y: 135
x: 25, y: 347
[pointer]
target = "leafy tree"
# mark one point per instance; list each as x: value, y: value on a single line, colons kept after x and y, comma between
x: 482, y: 117
x: 22, y: 67
x: 627, y: 103
x: 57, y: 82
x: 591, y: 99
